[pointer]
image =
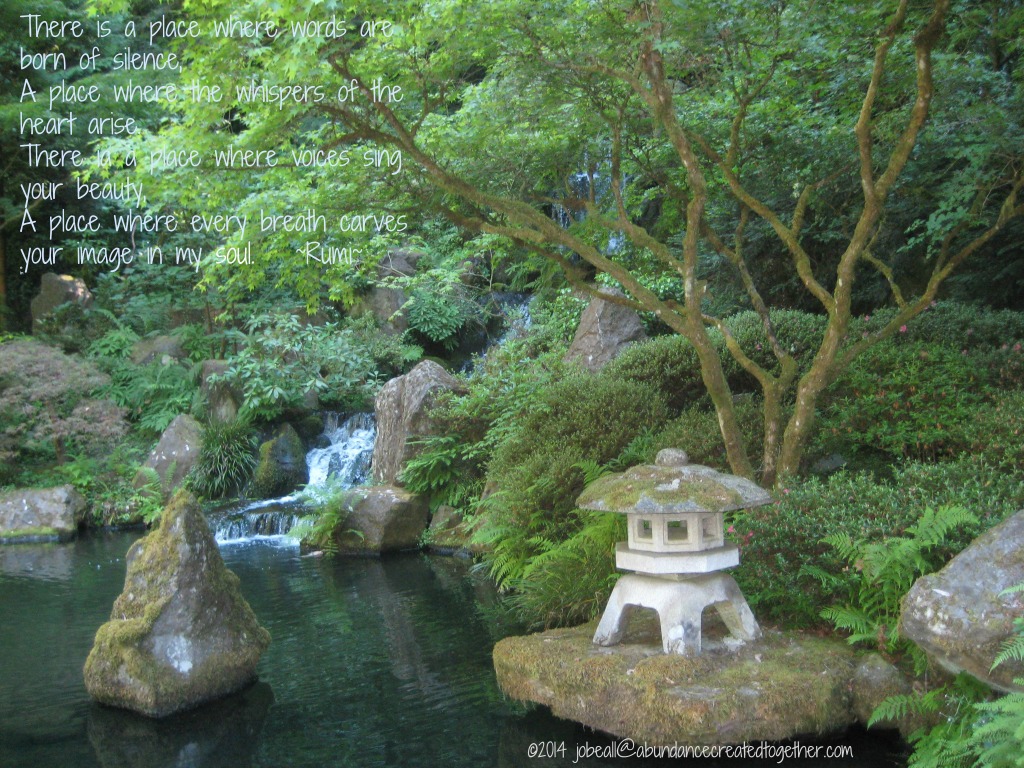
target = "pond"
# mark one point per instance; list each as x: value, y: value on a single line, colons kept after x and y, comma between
x: 374, y: 662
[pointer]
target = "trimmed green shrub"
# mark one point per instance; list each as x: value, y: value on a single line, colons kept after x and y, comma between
x: 535, y: 467
x: 668, y: 364
x: 905, y: 400
x: 779, y: 539
x: 954, y: 324
x: 696, y: 431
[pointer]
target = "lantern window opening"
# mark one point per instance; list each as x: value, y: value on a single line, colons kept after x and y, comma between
x: 677, y: 530
x: 644, y: 529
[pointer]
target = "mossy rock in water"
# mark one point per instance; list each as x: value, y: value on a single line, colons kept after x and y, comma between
x: 282, y: 464
x: 780, y: 686
x: 180, y: 633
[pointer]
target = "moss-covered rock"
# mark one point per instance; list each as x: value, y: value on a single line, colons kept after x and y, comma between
x: 780, y: 686
x: 41, y: 514
x: 282, y: 464
x: 180, y: 633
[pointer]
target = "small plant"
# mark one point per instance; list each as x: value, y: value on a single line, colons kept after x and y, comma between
x: 226, y: 458
x: 882, y: 574
x: 330, y: 506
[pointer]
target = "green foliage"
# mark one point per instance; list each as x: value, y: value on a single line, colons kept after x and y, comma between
x: 391, y: 356
x: 329, y: 507
x: 798, y: 333
x: 667, y: 363
x: 226, y: 458
x: 696, y: 431
x: 953, y: 324
x: 153, y: 394
x: 569, y: 583
x: 784, y: 539
x: 442, y: 471
x: 906, y: 400
x: 109, y: 485
x: 536, y: 470
x: 952, y: 708
x: 436, y: 317
x: 882, y: 574
x: 285, y: 359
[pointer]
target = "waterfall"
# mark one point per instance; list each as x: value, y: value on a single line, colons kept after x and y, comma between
x: 342, y: 456
x: 347, y: 453
x: 514, y: 310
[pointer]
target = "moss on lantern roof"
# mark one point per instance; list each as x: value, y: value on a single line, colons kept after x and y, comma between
x: 674, y: 489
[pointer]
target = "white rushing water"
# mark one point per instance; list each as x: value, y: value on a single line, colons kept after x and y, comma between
x: 342, y: 459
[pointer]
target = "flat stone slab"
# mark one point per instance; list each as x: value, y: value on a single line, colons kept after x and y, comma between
x: 780, y: 686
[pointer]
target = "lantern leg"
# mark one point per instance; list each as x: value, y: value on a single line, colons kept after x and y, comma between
x: 679, y: 605
x: 735, y: 612
x: 615, y: 617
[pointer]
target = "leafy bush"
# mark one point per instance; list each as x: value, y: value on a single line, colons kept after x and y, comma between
x: 226, y: 458
x: 285, y: 359
x: 535, y: 468
x: 784, y: 537
x: 696, y: 431
x: 906, y: 400
x: 955, y: 325
x: 46, y: 405
x: 995, y: 432
x: 667, y: 363
x: 799, y: 333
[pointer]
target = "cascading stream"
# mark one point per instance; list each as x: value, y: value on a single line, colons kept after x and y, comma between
x: 341, y: 459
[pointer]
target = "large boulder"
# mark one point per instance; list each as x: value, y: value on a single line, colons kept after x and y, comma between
x: 959, y: 615
x: 46, y: 514
x: 385, y: 302
x: 180, y: 633
x: 174, y: 456
x: 605, y: 329
x: 448, y: 533
x: 778, y: 687
x: 402, y: 410
x: 222, y: 400
x: 383, y: 518
x: 158, y: 349
x: 282, y: 464
x: 54, y: 291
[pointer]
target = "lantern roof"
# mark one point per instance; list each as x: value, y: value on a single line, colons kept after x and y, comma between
x: 671, y: 486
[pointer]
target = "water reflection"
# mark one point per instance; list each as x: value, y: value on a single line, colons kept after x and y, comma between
x: 47, y: 562
x: 224, y: 732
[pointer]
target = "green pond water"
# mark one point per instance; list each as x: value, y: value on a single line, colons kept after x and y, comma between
x: 373, y: 663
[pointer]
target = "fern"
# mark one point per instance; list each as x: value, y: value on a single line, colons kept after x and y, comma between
x: 886, y: 570
x: 591, y: 470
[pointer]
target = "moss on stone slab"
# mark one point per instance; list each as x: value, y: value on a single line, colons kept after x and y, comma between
x: 778, y: 687
x: 655, y: 488
x: 38, y: 535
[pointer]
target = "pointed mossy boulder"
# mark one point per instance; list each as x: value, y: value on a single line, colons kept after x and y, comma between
x: 180, y: 633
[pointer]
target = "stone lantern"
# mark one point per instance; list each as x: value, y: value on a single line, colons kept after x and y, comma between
x: 675, y: 547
